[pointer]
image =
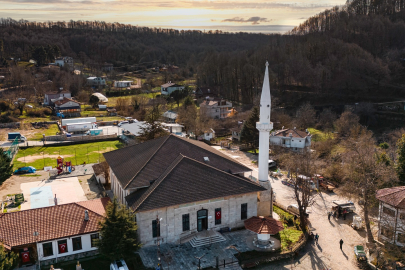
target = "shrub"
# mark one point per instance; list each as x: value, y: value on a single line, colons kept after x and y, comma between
x: 8, y: 118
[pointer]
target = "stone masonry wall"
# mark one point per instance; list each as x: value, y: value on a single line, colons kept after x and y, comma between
x: 171, y: 227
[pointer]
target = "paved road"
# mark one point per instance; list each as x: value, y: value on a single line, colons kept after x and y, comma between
x: 325, y: 254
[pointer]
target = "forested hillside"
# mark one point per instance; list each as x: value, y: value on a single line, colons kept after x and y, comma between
x: 350, y: 53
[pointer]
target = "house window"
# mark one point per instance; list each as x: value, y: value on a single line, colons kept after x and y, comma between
x: 94, y: 238
x: 218, y: 216
x: 77, y: 243
x: 62, y: 246
x: 48, y: 250
x: 186, y: 222
x: 155, y: 228
x: 388, y: 211
x: 387, y: 232
x: 243, y: 211
x: 401, y: 237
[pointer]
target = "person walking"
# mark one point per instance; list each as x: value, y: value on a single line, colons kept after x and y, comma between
x: 344, y: 214
x: 341, y: 243
x: 316, y: 238
x: 329, y: 214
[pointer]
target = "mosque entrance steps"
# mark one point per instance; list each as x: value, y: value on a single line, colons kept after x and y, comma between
x: 206, y: 238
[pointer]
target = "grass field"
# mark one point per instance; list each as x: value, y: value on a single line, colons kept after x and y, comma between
x: 40, y: 157
x: 319, y: 136
x: 112, y: 101
x: 37, y: 136
x: 289, y: 236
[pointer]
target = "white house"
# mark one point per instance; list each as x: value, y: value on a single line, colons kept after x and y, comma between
x: 209, y: 134
x: 392, y: 215
x: 168, y: 88
x: 187, y: 184
x: 56, y: 95
x: 122, y: 84
x: 174, y: 128
x: 236, y: 132
x: 53, y: 234
x: 216, y: 108
x: 293, y: 139
x: 93, y: 81
x: 64, y: 61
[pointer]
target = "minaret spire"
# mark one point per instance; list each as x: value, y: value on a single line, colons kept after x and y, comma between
x: 265, y: 206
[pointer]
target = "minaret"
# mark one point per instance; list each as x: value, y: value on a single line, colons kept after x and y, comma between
x: 265, y: 205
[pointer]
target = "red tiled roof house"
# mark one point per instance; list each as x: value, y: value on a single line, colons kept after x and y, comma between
x: 52, y: 234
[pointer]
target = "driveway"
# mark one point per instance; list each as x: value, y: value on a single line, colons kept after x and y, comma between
x: 325, y: 254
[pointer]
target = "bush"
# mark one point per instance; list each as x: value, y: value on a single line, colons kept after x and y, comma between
x: 39, y: 112
x: 8, y: 118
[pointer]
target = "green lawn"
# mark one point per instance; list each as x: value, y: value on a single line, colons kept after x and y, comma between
x: 319, y: 136
x: 289, y: 236
x: 77, y: 154
x: 51, y: 130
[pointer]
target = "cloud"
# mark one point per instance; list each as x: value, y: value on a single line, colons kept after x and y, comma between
x: 253, y: 20
x: 257, y: 5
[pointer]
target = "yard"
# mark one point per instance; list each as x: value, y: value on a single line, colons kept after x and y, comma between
x: 319, y: 136
x: 37, y: 135
x: 40, y: 157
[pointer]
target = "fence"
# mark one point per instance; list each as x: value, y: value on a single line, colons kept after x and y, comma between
x: 13, y: 149
x: 59, y: 138
x: 78, y: 154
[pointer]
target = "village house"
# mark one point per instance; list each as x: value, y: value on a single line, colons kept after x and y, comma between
x: 95, y: 81
x: 122, y: 84
x: 216, y: 108
x: 53, y: 234
x: 179, y: 187
x: 169, y: 116
x: 64, y: 61
x: 107, y: 67
x: 168, y: 88
x: 55, y: 96
x: 294, y: 139
x: 392, y: 215
x: 209, y: 134
x: 68, y: 107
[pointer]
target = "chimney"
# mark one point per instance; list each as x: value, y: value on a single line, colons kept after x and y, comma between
x: 209, y: 91
x: 282, y: 127
x: 306, y: 130
x: 290, y: 134
x: 295, y: 128
x: 55, y: 200
x: 86, y: 215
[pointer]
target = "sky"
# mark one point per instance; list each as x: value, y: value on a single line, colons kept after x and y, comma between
x: 266, y: 16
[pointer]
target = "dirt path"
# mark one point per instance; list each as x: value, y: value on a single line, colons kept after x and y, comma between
x: 32, y: 158
x: 327, y: 253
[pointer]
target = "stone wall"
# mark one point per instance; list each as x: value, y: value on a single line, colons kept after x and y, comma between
x: 171, y: 228
x: 10, y: 125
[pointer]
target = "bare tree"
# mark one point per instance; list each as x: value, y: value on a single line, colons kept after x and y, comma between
x: 301, y: 166
x: 364, y: 172
x: 306, y: 116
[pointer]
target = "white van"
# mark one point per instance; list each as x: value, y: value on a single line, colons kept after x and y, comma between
x: 294, y: 209
x: 119, y: 265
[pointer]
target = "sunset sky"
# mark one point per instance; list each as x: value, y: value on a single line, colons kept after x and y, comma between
x: 267, y: 16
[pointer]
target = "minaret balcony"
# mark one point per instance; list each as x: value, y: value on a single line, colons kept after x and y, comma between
x: 264, y: 126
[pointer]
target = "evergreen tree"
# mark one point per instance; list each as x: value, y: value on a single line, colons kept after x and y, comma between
x: 152, y: 129
x: 249, y: 133
x: 94, y: 100
x: 40, y: 55
x: 6, y: 168
x: 188, y: 101
x: 118, y: 233
x: 401, y: 160
x: 8, y: 260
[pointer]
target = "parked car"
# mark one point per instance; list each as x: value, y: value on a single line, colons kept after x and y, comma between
x: 360, y: 254
x: 118, y: 265
x: 294, y: 209
x: 24, y: 170
x: 123, y: 123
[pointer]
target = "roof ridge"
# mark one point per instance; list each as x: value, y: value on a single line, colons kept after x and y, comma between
x: 147, y: 161
x: 87, y: 208
x: 236, y: 176
x: 220, y: 154
x: 158, y: 181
